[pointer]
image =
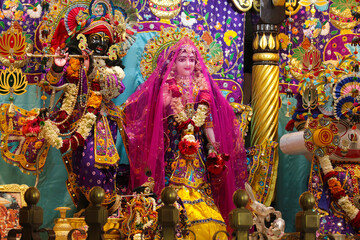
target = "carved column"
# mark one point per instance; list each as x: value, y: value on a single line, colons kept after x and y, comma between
x: 265, y: 91
x: 265, y: 84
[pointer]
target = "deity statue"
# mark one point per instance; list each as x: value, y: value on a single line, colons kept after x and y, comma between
x: 179, y: 127
x: 83, y: 122
x: 330, y: 134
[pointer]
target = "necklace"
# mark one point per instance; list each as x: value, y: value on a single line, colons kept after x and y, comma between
x: 183, y: 81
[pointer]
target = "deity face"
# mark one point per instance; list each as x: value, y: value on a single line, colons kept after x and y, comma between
x: 185, y: 63
x: 99, y: 43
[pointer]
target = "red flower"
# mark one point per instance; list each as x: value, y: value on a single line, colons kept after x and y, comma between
x: 188, y: 148
x: 330, y: 175
x: 60, y: 117
x: 186, y: 123
x: 31, y: 128
x: 215, y: 164
x: 341, y: 193
x: 65, y: 146
x: 356, y: 221
x: 175, y: 90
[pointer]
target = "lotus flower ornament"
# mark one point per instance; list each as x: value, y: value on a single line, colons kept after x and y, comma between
x: 12, y: 80
x: 14, y: 47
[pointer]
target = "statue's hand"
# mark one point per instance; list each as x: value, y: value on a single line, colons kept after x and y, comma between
x: 86, y: 60
x: 110, y: 88
x: 63, y: 57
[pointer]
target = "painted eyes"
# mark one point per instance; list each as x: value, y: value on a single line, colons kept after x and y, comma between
x: 184, y: 59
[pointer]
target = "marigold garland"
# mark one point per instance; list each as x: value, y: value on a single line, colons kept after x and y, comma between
x: 338, y: 193
x: 74, y: 66
x: 94, y: 100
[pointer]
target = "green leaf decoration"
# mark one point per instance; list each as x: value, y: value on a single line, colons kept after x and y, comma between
x: 215, y: 49
x: 238, y: 75
x: 186, y: 12
x: 295, y: 40
x: 298, y: 53
x: 222, y: 73
x: 334, y: 32
x: 230, y: 76
x: 2, y: 24
x: 231, y: 56
x: 176, y: 22
x: 28, y: 38
x: 342, y: 5
x: 206, y: 16
x: 240, y: 66
x: 141, y: 1
x: 228, y: 21
x: 217, y: 35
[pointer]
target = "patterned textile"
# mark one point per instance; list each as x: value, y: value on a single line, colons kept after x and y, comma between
x: 217, y: 22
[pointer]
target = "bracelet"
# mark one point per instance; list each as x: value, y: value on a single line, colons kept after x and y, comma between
x: 54, y: 77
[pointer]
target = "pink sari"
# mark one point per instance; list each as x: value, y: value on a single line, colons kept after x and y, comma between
x: 145, y: 115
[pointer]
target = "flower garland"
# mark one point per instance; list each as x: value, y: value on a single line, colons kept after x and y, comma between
x: 69, y: 99
x: 86, y: 123
x: 338, y: 193
x: 197, y: 120
x: 200, y: 115
x: 51, y: 132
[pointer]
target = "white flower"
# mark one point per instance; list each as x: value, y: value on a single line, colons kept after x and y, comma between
x: 70, y: 98
x: 348, y: 207
x: 85, y: 125
x: 181, y: 117
x: 325, y: 164
x: 119, y: 72
x: 189, y: 137
x: 51, y: 134
x: 187, y: 20
x: 200, y: 115
x: 325, y: 29
x: 34, y: 12
x: 227, y: 52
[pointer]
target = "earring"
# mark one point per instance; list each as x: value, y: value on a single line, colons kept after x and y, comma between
x: 82, y: 42
x: 112, y: 52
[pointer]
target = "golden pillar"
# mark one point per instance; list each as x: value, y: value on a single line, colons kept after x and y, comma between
x: 265, y: 93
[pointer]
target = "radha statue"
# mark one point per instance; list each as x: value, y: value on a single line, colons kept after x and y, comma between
x: 180, y: 127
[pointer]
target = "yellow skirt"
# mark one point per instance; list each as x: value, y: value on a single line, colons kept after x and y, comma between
x: 203, y: 215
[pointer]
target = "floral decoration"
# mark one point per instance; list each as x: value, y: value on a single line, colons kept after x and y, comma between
x: 188, y: 145
x: 229, y: 36
x: 284, y: 40
x: 187, y: 20
x: 338, y: 193
x: 34, y: 11
x: 216, y: 163
x: 218, y: 26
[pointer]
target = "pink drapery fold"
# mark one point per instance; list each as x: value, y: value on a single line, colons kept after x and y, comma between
x: 145, y: 114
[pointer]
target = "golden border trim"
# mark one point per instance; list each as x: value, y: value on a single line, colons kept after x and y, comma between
x: 15, y: 188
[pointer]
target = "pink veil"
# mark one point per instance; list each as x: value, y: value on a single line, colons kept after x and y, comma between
x: 144, y: 124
